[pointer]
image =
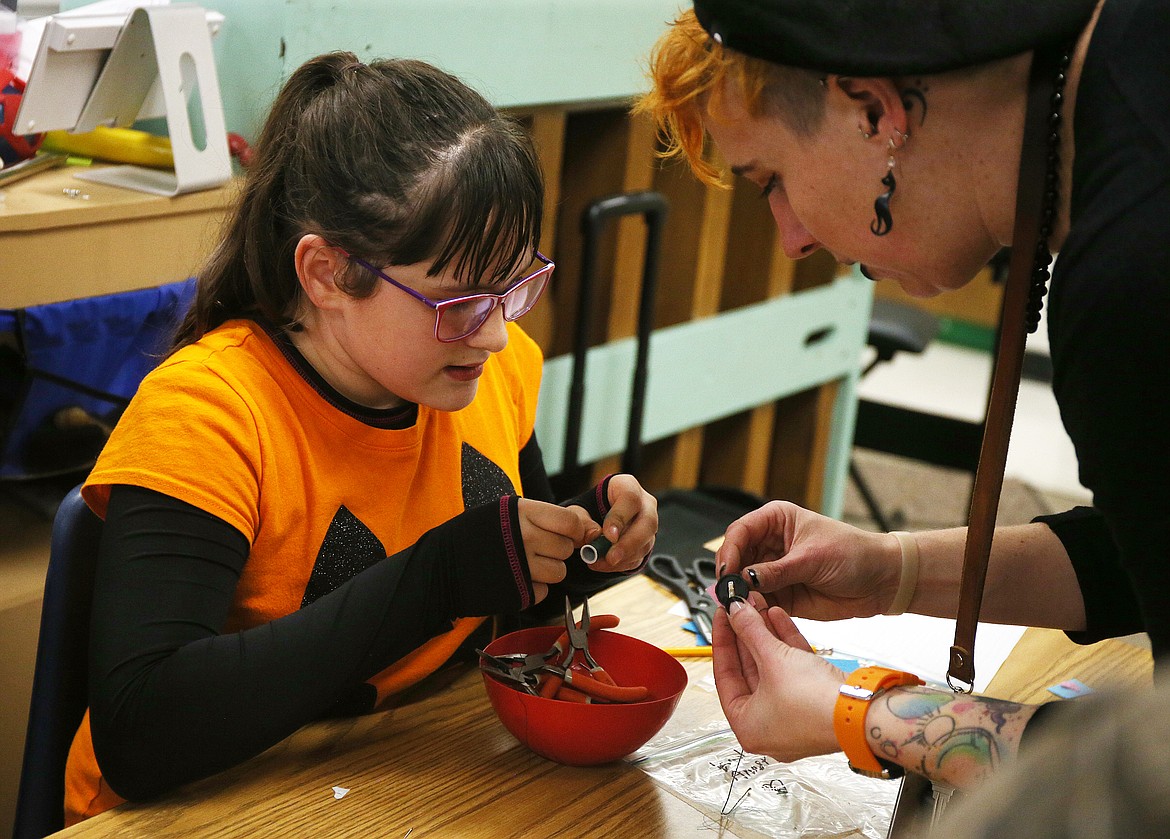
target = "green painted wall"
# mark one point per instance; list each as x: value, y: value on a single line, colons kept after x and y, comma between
x: 515, y: 52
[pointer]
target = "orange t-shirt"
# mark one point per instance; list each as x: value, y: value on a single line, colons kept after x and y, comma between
x: 230, y: 426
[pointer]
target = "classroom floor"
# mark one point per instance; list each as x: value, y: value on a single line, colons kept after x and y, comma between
x: 953, y: 381
x: 1041, y: 472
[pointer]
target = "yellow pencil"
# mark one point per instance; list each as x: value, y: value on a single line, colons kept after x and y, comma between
x: 705, y: 652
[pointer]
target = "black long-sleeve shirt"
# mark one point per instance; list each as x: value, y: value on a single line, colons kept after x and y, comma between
x: 174, y: 700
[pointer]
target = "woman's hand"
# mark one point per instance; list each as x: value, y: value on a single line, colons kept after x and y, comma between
x: 777, y: 694
x: 551, y: 533
x: 810, y: 565
x: 631, y: 524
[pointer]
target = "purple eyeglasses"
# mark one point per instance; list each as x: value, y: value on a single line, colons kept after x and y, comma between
x: 458, y: 317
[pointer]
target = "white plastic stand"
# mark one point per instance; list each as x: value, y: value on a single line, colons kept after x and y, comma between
x: 171, y: 43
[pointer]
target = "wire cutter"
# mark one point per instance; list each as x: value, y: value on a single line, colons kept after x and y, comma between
x: 554, y: 674
x: 588, y: 684
x: 579, y: 642
x: 579, y: 639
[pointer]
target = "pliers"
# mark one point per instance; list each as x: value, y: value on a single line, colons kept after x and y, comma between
x: 575, y: 639
x: 552, y: 674
x: 504, y: 671
x: 579, y: 641
x: 592, y: 687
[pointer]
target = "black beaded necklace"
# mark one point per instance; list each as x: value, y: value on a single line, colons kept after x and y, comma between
x: 1040, y: 269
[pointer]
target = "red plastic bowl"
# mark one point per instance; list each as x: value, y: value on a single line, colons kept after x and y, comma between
x: 585, y: 735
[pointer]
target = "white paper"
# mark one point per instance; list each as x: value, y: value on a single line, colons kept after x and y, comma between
x: 915, y: 643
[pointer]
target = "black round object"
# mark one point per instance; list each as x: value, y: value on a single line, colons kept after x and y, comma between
x: 731, y: 587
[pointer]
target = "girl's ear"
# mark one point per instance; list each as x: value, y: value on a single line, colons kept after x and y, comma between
x: 877, y: 101
x: 318, y: 263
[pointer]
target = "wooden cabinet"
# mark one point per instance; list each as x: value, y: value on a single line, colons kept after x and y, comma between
x: 62, y: 238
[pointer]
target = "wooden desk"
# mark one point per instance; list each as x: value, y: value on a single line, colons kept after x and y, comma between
x: 1045, y: 657
x: 55, y: 247
x: 443, y: 766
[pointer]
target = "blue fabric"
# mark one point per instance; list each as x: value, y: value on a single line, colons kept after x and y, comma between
x: 91, y: 353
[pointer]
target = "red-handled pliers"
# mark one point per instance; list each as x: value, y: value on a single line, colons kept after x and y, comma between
x: 579, y: 641
x: 591, y: 686
x: 575, y: 639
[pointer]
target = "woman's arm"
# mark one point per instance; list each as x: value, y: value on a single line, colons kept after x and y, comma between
x: 956, y: 739
x: 1030, y: 580
x: 779, y: 698
x: 816, y: 567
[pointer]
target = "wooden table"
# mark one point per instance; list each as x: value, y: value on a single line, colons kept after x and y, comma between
x: 57, y: 246
x: 441, y: 764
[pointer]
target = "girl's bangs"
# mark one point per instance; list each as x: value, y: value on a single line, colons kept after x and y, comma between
x: 492, y: 199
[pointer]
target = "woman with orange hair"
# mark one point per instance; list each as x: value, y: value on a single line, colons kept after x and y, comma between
x: 890, y: 135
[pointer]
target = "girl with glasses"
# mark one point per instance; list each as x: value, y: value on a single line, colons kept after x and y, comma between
x: 319, y: 496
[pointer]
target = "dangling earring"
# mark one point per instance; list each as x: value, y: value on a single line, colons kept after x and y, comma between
x: 883, y: 222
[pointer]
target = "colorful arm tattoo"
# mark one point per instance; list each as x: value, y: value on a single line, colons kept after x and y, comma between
x: 955, y: 738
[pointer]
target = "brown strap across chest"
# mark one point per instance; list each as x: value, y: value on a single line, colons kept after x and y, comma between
x: 1009, y: 359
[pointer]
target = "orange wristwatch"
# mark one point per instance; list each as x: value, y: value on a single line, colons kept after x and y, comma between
x: 853, y: 699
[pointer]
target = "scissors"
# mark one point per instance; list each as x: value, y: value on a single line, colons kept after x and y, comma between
x: 690, y: 581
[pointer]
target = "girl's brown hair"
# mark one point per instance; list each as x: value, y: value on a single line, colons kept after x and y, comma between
x: 395, y: 161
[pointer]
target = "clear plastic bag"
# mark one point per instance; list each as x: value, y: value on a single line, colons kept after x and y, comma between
x: 814, y: 797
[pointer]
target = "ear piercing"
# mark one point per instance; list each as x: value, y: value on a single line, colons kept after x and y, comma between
x: 883, y: 221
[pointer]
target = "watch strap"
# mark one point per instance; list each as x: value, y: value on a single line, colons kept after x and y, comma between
x: 853, y: 700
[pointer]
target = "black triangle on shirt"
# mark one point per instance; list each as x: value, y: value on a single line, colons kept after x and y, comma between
x: 349, y: 547
x: 483, y: 481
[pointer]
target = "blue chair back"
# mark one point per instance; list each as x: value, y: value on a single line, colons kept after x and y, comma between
x: 61, y: 675
x: 90, y: 353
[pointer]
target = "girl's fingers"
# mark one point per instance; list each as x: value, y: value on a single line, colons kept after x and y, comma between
x: 546, y: 570
x: 573, y: 523
x: 631, y: 523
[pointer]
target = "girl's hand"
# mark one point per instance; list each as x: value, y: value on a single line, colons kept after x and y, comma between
x: 777, y: 694
x: 810, y: 565
x: 631, y: 524
x: 551, y: 533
